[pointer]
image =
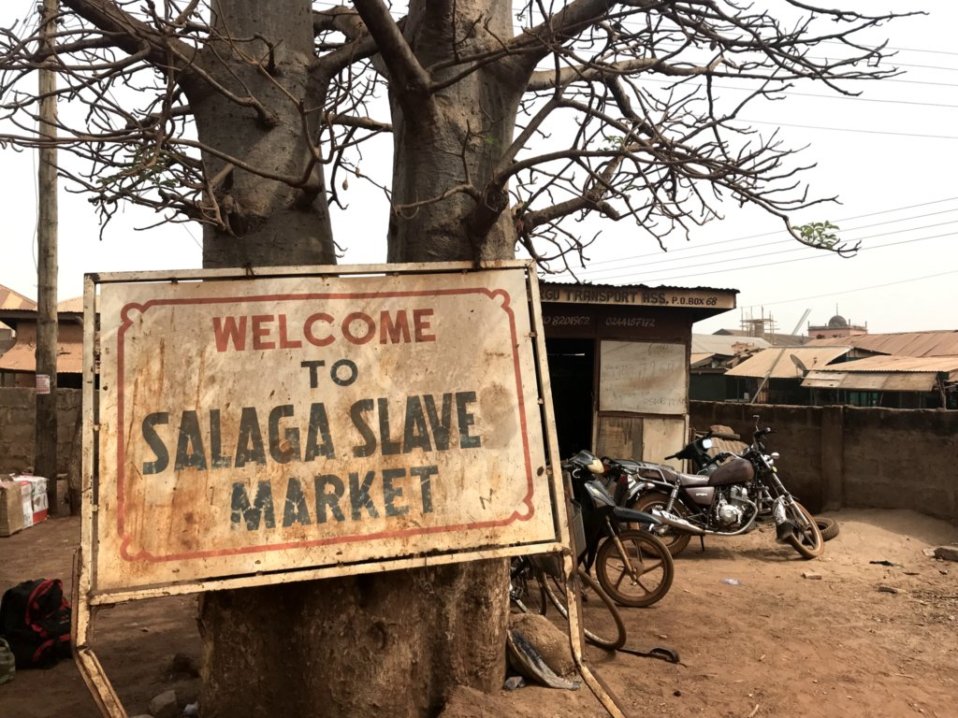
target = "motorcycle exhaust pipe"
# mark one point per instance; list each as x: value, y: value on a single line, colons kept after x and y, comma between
x: 677, y: 522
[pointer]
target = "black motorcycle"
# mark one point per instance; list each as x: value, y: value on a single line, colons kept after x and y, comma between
x: 725, y: 498
x: 632, y: 564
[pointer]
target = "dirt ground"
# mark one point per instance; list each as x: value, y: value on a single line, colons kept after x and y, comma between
x: 775, y: 644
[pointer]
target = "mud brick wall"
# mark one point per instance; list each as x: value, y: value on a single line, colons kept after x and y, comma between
x: 17, y: 426
x: 834, y: 456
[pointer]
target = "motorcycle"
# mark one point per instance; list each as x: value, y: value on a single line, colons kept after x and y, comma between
x: 725, y: 498
x: 632, y: 565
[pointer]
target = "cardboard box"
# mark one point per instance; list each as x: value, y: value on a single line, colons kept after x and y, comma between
x: 14, y: 497
x: 40, y: 505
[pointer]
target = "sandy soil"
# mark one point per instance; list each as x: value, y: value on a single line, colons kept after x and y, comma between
x: 776, y: 644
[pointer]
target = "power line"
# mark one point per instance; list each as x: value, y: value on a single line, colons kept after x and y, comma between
x: 747, y: 257
x: 697, y: 247
x: 835, y: 96
x: 852, y: 129
x: 901, y: 49
x: 852, y: 291
x: 818, y: 255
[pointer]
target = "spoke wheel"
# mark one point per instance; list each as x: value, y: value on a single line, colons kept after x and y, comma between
x: 807, y: 538
x: 674, y: 540
x: 640, y: 573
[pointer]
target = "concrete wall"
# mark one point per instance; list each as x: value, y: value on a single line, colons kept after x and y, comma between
x: 17, y: 421
x: 831, y: 456
x: 838, y: 456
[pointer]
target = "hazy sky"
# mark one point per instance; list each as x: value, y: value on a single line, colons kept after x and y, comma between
x: 888, y: 154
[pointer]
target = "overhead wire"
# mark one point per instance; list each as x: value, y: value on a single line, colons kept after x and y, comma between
x: 698, y: 246
x: 817, y: 255
x: 838, y: 293
x: 695, y: 259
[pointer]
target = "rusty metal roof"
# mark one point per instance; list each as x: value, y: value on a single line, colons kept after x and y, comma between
x: 21, y: 357
x: 590, y: 285
x: 74, y: 304
x: 914, y: 344
x: 871, y: 381
x: 785, y: 366
x: 726, y: 345
x: 884, y: 373
x: 10, y: 299
x: 897, y: 364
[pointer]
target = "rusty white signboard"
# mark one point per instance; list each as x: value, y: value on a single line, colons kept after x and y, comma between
x: 311, y: 424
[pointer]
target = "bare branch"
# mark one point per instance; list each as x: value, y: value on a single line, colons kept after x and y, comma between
x: 409, y: 79
x: 130, y: 34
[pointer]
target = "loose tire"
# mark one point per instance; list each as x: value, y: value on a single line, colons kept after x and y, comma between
x: 828, y: 527
x: 602, y: 624
x: 806, y: 539
x: 674, y: 541
x: 639, y: 578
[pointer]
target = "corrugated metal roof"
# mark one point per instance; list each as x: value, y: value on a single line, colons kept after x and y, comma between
x: 871, y: 381
x: 10, y: 299
x: 22, y: 357
x: 915, y: 344
x: 884, y: 373
x: 897, y: 364
x: 784, y: 366
x: 725, y: 345
x: 552, y: 282
x: 696, y: 358
x: 74, y: 304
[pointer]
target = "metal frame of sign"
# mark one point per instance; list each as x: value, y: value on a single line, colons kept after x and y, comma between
x: 86, y: 597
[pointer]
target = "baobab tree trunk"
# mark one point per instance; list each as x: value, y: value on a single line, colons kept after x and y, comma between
x: 391, y: 644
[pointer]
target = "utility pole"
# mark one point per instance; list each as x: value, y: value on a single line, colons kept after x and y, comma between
x: 45, y: 438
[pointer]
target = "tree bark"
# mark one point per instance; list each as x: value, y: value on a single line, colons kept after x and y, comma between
x: 455, y: 139
x: 387, y: 644
x: 257, y: 101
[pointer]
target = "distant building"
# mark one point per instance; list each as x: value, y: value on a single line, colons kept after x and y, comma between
x: 713, y: 355
x: 837, y: 328
x: 763, y: 327
x: 18, y: 359
x: 906, y: 370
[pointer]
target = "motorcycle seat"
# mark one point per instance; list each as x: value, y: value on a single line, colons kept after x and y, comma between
x: 631, y: 466
x: 675, y: 477
x: 692, y: 479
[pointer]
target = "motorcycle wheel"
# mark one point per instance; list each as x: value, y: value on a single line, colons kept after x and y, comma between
x: 602, y: 623
x: 639, y: 578
x: 828, y: 527
x: 674, y: 541
x: 807, y: 539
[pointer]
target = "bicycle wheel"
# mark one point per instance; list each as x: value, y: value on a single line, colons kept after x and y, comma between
x: 640, y: 577
x: 602, y: 623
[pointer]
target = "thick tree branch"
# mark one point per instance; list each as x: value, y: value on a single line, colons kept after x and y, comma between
x: 409, y: 80
x: 550, y: 79
x: 130, y: 35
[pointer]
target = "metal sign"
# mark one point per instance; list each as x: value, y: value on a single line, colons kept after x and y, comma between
x: 249, y: 427
x: 640, y: 296
x: 311, y: 422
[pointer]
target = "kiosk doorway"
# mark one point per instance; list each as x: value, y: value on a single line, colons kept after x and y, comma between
x: 572, y: 374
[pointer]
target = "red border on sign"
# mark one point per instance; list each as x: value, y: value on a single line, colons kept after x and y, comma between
x: 127, y: 322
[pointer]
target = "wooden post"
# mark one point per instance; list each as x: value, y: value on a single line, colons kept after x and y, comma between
x: 45, y: 441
